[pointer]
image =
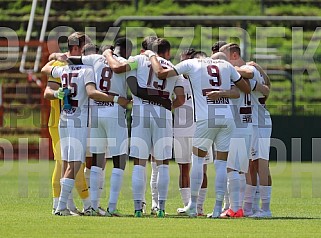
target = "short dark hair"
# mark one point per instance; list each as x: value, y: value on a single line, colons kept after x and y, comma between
x: 198, y: 54
x: 161, y: 46
x: 90, y: 48
x: 77, y: 39
x: 188, y: 52
x: 124, y: 43
x: 217, y: 45
x: 105, y: 47
x: 147, y: 43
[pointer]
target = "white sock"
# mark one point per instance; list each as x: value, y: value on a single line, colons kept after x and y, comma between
x: 162, y: 184
x: 153, y: 184
x: 116, y: 181
x: 248, y: 198
x: 196, y: 179
x: 201, y: 200
x: 257, y: 198
x: 138, y: 185
x: 55, y: 203
x: 265, y: 192
x: 226, y: 201
x: 242, y: 188
x: 66, y: 188
x: 70, y: 202
x: 145, y: 180
x: 95, y: 175
x: 233, y: 187
x: 220, y: 183
x: 101, y: 186
x: 185, y: 194
x: 87, y: 177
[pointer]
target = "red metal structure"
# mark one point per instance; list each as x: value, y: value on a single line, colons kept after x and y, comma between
x: 27, y: 90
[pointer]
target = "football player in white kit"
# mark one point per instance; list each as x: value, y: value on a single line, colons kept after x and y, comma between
x: 184, y: 128
x: 90, y: 49
x: 260, y: 86
x: 108, y: 125
x: 144, y: 93
x: 78, y: 84
x: 152, y: 127
x: 75, y: 43
x: 259, y: 164
x: 240, y: 145
x: 212, y: 84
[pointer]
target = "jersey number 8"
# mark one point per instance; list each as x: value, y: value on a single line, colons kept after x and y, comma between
x: 104, y: 83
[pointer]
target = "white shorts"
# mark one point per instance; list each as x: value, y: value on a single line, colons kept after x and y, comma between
x: 73, y: 143
x: 148, y: 133
x: 110, y: 134
x: 183, y: 150
x: 239, y: 153
x: 220, y: 134
x: 261, y: 143
x: 89, y: 154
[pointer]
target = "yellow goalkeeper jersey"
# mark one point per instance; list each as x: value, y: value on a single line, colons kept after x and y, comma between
x: 55, y: 105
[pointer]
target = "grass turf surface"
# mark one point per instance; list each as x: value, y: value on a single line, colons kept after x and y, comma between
x: 25, y: 207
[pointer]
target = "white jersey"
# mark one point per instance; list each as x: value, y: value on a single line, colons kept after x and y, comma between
x: 107, y: 82
x: 261, y: 116
x: 184, y: 125
x: 146, y: 78
x: 208, y: 75
x: 242, y: 109
x: 75, y: 77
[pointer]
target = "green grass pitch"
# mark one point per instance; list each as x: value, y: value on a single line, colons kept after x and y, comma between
x: 25, y: 207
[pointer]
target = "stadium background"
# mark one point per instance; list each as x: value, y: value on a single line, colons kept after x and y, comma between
x: 295, y: 98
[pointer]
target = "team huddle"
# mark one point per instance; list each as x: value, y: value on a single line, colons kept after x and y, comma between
x: 204, y: 109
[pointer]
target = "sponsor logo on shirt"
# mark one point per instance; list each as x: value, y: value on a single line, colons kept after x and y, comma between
x: 107, y: 104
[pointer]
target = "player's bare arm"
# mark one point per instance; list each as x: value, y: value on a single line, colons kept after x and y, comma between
x: 262, y: 88
x: 143, y: 93
x: 231, y: 93
x: 75, y: 60
x: 48, y: 67
x: 94, y: 94
x: 243, y: 85
x: 180, y: 97
x: 58, y: 56
x: 244, y: 72
x: 114, y: 64
x: 53, y: 90
x: 262, y: 72
x: 64, y: 57
x: 53, y: 56
x: 158, y: 69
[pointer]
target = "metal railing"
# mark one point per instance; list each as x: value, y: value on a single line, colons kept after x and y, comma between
x: 22, y: 68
